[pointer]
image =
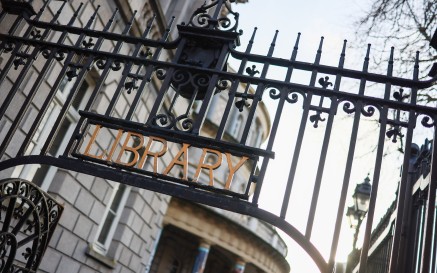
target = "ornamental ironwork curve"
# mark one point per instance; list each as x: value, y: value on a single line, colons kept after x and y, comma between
x: 179, y: 80
x: 29, y: 217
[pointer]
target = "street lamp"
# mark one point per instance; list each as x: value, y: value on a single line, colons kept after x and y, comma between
x: 357, y: 212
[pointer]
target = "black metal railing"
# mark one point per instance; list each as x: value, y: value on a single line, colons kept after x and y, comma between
x: 174, y: 76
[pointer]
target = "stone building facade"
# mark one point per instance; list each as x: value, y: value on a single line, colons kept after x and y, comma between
x: 111, y: 227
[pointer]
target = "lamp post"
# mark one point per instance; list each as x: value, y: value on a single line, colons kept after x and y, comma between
x: 357, y: 212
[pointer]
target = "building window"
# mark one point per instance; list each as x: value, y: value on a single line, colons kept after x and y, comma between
x: 112, y: 216
x: 259, y: 134
x: 236, y: 126
x: 42, y: 175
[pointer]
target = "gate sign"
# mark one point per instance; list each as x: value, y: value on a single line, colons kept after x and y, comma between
x: 130, y: 150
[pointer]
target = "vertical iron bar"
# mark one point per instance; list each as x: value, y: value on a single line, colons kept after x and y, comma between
x: 377, y: 171
x: 10, y: 211
x: 349, y: 163
x: 284, y: 93
x: 234, y: 89
x: 324, y: 150
x: 100, y: 82
x: 321, y: 166
x: 127, y: 68
x: 36, y: 85
x: 430, y: 205
x: 210, y: 91
x: 165, y: 85
x: 149, y: 72
x: 258, y: 93
x: 72, y: 94
x: 23, y: 73
x: 299, y: 140
x: 217, y: 11
x: 405, y: 193
x: 434, y: 244
x: 53, y: 91
x: 11, y: 31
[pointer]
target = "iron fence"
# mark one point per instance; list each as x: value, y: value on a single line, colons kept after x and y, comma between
x: 188, y: 73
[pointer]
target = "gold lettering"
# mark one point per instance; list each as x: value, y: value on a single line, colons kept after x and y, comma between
x: 133, y: 150
x: 155, y: 155
x: 184, y: 162
x: 91, y: 142
x: 233, y: 169
x: 114, y: 145
x: 210, y: 168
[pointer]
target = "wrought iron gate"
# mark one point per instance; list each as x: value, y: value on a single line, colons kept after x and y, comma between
x: 188, y: 74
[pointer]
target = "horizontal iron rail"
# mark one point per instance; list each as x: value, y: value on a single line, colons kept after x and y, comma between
x: 105, y: 34
x: 269, y: 83
x: 242, y: 55
x: 349, y: 73
x: 196, y: 141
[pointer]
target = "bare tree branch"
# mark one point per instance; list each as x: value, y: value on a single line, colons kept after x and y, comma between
x: 406, y: 24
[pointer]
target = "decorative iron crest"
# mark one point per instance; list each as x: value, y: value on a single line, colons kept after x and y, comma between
x: 28, y: 217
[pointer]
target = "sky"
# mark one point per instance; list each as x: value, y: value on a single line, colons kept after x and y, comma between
x: 334, y: 20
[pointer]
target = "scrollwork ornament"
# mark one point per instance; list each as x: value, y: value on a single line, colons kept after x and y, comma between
x: 368, y: 110
x: 8, y: 248
x: 45, y: 52
x: 164, y: 121
x: 428, y: 122
x: 200, y: 80
x: 274, y: 93
x: 202, y: 18
x: 349, y: 107
x: 30, y: 208
x: 224, y: 23
x: 161, y: 73
x: 100, y: 63
x: 186, y: 123
x: 293, y: 96
x: 223, y: 84
x: 181, y: 77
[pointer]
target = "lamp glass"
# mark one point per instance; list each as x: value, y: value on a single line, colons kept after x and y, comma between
x: 352, y: 217
x: 362, y: 202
